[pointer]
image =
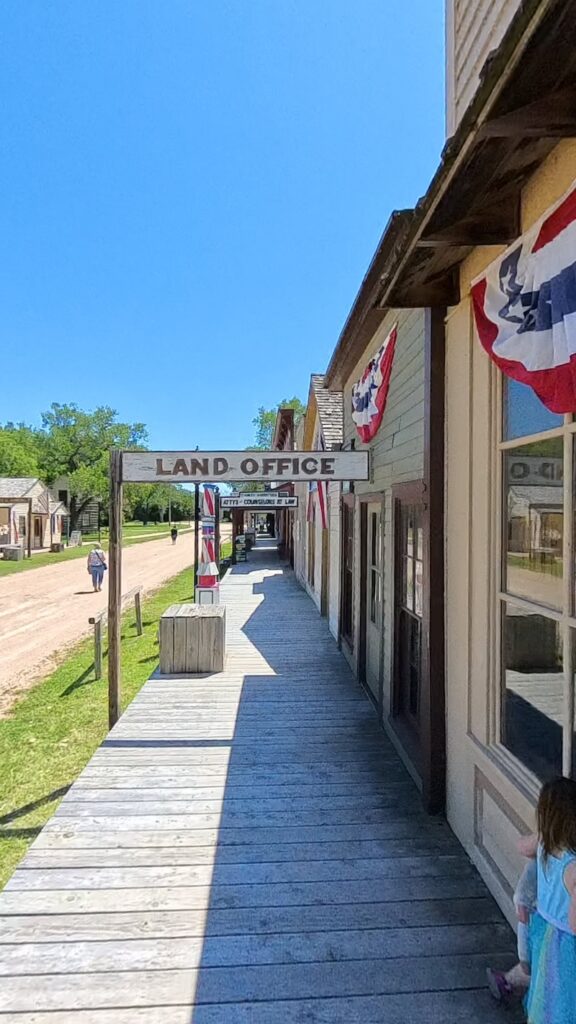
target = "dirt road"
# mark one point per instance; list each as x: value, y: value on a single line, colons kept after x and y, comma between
x: 47, y: 609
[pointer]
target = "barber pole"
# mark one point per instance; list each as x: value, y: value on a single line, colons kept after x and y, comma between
x: 208, y: 570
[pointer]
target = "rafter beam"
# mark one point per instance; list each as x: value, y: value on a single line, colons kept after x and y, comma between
x: 552, y: 117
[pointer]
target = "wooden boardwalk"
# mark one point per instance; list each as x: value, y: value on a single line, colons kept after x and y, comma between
x: 246, y: 848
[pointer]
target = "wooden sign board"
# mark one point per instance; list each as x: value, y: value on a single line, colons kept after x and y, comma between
x: 75, y: 539
x: 211, y: 467
x: 258, y: 501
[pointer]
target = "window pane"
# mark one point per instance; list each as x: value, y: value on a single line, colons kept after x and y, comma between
x: 533, y: 539
x: 374, y: 539
x: 409, y: 597
x: 533, y: 690
x: 418, y: 589
x: 524, y: 413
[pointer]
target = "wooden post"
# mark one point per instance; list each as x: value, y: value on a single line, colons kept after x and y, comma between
x: 138, y: 610
x: 115, y: 587
x: 196, y: 533
x: 217, y: 527
x: 29, y: 527
x: 98, y: 649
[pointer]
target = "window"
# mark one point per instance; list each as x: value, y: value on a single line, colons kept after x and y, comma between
x: 537, y: 599
x: 375, y: 566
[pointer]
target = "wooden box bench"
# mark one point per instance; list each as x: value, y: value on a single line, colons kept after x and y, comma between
x: 192, y: 639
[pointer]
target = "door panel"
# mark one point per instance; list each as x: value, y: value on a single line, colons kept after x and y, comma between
x: 373, y: 599
x: 348, y: 573
x: 408, y: 611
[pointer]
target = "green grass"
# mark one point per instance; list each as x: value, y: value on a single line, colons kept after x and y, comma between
x: 51, y: 558
x: 55, y: 728
x: 533, y: 565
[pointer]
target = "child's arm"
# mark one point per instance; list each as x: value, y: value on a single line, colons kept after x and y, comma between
x: 570, y: 883
x: 528, y: 846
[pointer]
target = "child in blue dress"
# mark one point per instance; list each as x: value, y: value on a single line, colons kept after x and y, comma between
x: 551, y: 997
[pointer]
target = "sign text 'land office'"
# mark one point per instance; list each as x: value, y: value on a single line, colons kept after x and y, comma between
x: 200, y: 467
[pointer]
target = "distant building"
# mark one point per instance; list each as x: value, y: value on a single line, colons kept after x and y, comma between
x: 29, y: 514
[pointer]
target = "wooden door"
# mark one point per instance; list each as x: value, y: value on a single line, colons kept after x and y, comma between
x: 409, y: 527
x: 347, y: 591
x: 372, y: 524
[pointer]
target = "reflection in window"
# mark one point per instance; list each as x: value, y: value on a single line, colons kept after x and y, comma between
x: 534, y: 491
x: 533, y: 690
x: 375, y: 567
x: 524, y: 413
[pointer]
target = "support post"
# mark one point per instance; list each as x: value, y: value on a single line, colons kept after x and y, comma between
x: 138, y: 610
x: 29, y: 527
x: 196, y: 533
x: 217, y: 527
x: 115, y: 587
x: 98, y: 649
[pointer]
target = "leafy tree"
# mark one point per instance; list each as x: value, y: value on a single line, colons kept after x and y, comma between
x: 265, y: 421
x: 75, y: 444
x: 19, y: 447
x: 147, y: 502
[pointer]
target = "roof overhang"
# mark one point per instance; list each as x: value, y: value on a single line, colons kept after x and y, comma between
x: 283, y: 438
x: 525, y: 103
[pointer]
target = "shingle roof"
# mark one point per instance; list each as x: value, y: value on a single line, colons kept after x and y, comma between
x: 16, y: 486
x: 19, y: 487
x: 330, y: 411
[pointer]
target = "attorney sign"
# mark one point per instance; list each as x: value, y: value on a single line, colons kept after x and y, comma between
x: 204, y: 467
x: 258, y: 501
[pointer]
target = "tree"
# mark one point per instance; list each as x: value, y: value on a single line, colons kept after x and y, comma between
x: 75, y: 444
x: 19, y: 447
x: 265, y: 421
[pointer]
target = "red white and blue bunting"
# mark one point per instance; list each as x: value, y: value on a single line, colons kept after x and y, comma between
x: 370, y: 393
x: 525, y: 308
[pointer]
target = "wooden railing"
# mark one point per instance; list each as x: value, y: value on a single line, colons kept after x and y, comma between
x: 100, y: 621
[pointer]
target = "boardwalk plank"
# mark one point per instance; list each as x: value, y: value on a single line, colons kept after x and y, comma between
x: 246, y: 848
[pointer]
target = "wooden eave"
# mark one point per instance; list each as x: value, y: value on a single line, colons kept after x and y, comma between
x: 284, y: 430
x: 525, y: 103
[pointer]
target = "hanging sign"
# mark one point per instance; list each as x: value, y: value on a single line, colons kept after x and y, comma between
x: 370, y: 393
x: 197, y: 467
x: 525, y: 308
x: 258, y: 501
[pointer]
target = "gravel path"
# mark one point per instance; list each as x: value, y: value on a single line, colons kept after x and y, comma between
x: 45, y: 610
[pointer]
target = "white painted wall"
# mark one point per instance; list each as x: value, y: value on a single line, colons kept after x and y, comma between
x: 473, y: 29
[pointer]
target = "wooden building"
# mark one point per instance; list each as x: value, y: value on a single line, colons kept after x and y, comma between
x: 456, y: 574
x: 317, y: 521
x: 29, y: 514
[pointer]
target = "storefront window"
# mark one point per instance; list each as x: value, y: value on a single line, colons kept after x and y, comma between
x: 537, y: 683
x: 534, y: 510
x: 524, y: 413
x: 533, y: 690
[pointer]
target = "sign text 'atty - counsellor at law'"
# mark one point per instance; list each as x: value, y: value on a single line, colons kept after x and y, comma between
x: 258, y: 501
x: 200, y: 467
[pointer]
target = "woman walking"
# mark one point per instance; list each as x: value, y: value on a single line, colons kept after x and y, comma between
x: 97, y: 566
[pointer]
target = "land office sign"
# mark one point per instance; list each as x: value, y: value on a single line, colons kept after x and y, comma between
x: 205, y: 467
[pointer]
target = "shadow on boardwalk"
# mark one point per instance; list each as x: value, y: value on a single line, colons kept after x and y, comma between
x: 247, y: 849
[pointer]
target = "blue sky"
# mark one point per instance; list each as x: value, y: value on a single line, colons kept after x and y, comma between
x: 191, y: 194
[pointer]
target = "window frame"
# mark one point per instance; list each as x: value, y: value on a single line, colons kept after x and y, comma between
x: 565, y: 616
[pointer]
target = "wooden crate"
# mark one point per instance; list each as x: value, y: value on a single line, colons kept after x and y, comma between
x: 192, y: 639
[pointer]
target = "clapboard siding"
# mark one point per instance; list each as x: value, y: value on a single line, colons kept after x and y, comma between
x: 397, y: 457
x: 474, y: 29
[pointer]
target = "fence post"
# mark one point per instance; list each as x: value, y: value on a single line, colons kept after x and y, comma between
x: 98, y: 649
x: 138, y: 610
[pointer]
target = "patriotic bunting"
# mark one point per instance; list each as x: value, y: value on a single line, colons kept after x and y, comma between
x: 525, y: 308
x: 370, y: 393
